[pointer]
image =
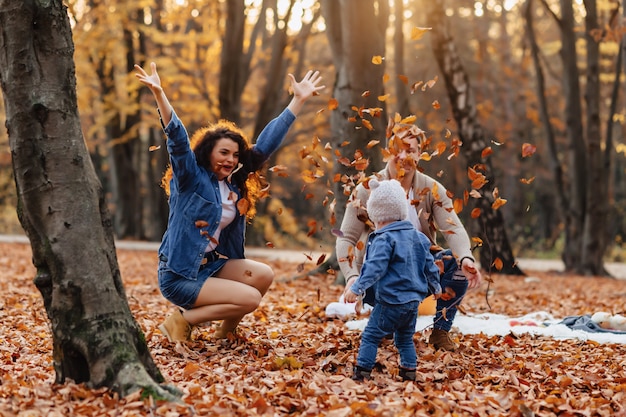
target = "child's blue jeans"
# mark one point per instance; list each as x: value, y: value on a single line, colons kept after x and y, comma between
x: 385, y: 319
x: 452, y: 278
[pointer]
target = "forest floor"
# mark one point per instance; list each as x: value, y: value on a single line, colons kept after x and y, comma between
x: 291, y: 359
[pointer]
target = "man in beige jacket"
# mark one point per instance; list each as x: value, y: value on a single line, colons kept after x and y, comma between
x: 430, y: 210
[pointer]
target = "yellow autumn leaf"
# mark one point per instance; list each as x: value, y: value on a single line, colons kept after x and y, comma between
x: 418, y: 33
x: 377, y: 60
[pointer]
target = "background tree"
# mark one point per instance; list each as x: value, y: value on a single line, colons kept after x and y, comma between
x: 62, y: 208
x: 356, y: 34
x: 496, y: 250
x: 583, y: 188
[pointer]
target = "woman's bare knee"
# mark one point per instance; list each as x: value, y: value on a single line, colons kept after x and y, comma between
x: 253, y: 273
x: 265, y: 277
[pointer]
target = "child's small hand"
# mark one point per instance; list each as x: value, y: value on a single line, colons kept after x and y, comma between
x: 350, y: 297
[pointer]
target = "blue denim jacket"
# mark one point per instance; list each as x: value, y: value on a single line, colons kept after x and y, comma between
x: 195, y: 195
x: 399, y: 265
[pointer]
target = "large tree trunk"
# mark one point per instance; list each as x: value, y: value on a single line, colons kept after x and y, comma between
x: 576, y: 163
x: 594, y: 238
x: 496, y: 245
x: 128, y: 164
x: 356, y: 33
x: 62, y: 209
x: 402, y: 90
x: 235, y: 60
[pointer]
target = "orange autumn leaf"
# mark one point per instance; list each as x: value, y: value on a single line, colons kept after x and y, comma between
x: 243, y: 206
x: 377, y: 59
x: 333, y: 104
x: 497, y: 263
x: 361, y: 164
x: 486, y: 152
x: 417, y: 33
x: 372, y: 143
x: 278, y: 168
x: 498, y: 203
x: 528, y: 150
x: 404, y: 79
x: 477, y: 178
x: 408, y: 120
x: 475, y: 213
x: 527, y: 180
x: 154, y: 148
x: 458, y: 205
x: 201, y: 223
x: 190, y: 368
x: 436, y: 105
x: 430, y: 83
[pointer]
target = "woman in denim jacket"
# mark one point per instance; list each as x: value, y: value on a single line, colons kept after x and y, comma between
x: 400, y: 268
x: 211, y: 187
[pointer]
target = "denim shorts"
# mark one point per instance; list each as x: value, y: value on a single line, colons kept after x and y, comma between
x: 182, y: 291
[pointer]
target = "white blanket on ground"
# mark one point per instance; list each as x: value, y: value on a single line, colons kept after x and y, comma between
x: 537, y: 323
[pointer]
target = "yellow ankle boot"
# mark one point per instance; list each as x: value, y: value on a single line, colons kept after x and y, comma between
x: 176, y: 328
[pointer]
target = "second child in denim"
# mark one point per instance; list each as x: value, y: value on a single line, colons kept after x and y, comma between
x: 401, y: 269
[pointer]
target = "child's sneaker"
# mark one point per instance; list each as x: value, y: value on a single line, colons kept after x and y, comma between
x: 407, y: 374
x: 361, y: 374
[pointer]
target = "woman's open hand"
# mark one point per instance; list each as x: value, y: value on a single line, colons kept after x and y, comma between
x: 152, y: 81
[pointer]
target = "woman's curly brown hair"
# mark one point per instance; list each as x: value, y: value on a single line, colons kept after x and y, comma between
x: 202, y: 143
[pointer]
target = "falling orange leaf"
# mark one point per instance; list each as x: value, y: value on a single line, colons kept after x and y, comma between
x: 377, y: 60
x: 243, y: 206
x: 417, y: 33
x: 458, y: 205
x: 201, y: 223
x: 528, y: 150
x: 498, y: 203
x: 497, y: 263
x: 367, y: 124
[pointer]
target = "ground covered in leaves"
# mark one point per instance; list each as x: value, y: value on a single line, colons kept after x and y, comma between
x: 291, y: 359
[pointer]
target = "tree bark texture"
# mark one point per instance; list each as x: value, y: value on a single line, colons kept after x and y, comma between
x: 597, y: 205
x: 576, y: 163
x: 356, y: 33
x: 491, y: 223
x: 235, y: 60
x: 61, y: 206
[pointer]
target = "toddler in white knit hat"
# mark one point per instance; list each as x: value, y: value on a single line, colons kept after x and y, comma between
x: 399, y: 266
x: 387, y: 202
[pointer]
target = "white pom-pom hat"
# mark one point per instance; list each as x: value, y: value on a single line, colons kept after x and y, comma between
x: 387, y: 201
